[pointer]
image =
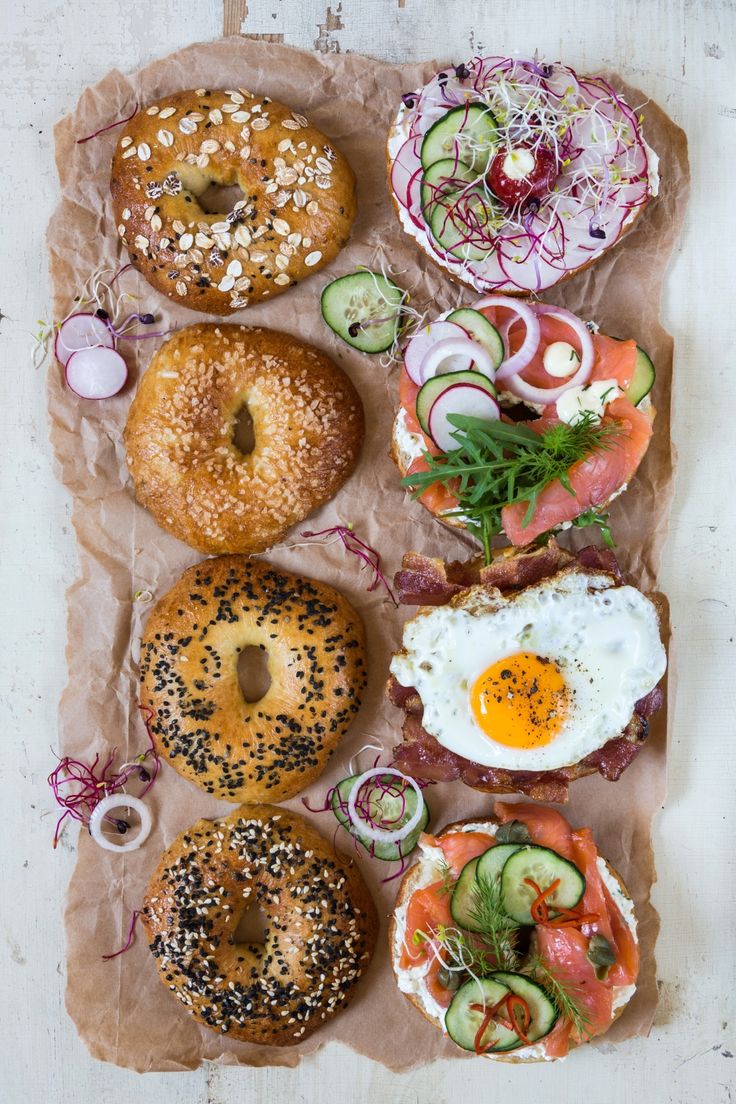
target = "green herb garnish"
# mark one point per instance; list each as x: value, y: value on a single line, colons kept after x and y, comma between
x: 498, y: 930
x: 593, y: 517
x: 496, y: 464
x: 564, y: 994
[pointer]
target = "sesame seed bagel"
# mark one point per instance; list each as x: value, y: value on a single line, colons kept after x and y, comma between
x: 294, y: 214
x: 307, y: 423
x: 202, y: 725
x: 321, y: 925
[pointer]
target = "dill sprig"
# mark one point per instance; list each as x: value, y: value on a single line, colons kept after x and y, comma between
x: 496, y: 464
x: 449, y: 881
x: 564, y: 995
x: 498, y: 930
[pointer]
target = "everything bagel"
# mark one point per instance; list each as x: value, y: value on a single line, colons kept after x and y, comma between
x: 321, y: 925
x: 202, y: 724
x: 294, y: 215
x: 179, y: 438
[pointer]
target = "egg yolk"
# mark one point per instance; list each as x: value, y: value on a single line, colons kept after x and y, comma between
x: 521, y: 701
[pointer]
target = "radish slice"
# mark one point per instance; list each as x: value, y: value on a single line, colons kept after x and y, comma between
x: 81, y: 331
x: 547, y: 395
x: 406, y: 172
x: 422, y: 342
x: 96, y: 373
x: 518, y: 360
x: 463, y: 398
x: 443, y: 357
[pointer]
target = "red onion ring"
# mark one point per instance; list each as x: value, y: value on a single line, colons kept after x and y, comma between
x: 548, y: 395
x: 519, y: 360
x: 380, y: 835
x: 457, y: 346
x: 120, y: 801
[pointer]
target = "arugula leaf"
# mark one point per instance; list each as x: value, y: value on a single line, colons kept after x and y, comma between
x: 498, y: 463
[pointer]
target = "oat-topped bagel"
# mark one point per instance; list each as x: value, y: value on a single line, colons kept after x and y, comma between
x: 321, y: 925
x: 294, y: 216
x: 188, y: 471
x: 272, y: 748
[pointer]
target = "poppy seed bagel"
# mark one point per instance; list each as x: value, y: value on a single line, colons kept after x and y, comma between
x: 273, y: 748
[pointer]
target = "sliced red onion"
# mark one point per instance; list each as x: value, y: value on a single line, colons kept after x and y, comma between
x: 120, y: 801
x: 547, y: 395
x: 81, y: 331
x: 461, y: 398
x: 449, y: 350
x: 423, y: 341
x: 518, y: 360
x: 96, y: 373
x: 364, y: 827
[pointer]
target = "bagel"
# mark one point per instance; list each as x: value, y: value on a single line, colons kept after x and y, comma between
x: 449, y: 139
x: 307, y: 422
x: 202, y: 724
x: 321, y: 925
x: 423, y: 873
x: 293, y: 217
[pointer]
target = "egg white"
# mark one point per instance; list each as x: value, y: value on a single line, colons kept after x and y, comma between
x: 604, y: 638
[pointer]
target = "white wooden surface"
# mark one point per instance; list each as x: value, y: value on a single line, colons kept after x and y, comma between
x: 683, y: 52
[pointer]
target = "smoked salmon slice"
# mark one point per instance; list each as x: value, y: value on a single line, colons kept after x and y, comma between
x: 594, y: 479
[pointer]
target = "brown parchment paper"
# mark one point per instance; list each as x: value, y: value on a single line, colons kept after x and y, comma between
x: 121, y: 1010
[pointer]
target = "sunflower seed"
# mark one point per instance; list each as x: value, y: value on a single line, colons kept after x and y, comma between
x: 165, y: 137
x: 167, y: 113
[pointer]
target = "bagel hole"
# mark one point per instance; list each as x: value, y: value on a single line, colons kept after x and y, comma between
x: 244, y: 435
x: 219, y: 199
x: 253, y: 674
x: 252, y: 927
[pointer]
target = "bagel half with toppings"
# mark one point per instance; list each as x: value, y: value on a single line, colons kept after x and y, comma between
x: 514, y: 936
x: 295, y: 205
x: 514, y: 175
x: 320, y: 934
x: 555, y: 419
x: 202, y: 723
x: 526, y: 674
x: 182, y: 445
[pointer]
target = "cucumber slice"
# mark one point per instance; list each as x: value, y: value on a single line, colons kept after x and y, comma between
x: 442, y: 179
x: 435, y: 386
x: 451, y: 232
x: 462, y: 901
x: 352, y: 305
x: 390, y: 811
x: 543, y: 867
x: 466, y: 133
x: 477, y: 326
x: 543, y: 1011
x: 643, y: 378
x: 492, y: 861
x: 462, y: 1021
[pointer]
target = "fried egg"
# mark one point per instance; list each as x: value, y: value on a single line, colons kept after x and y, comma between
x: 534, y: 680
